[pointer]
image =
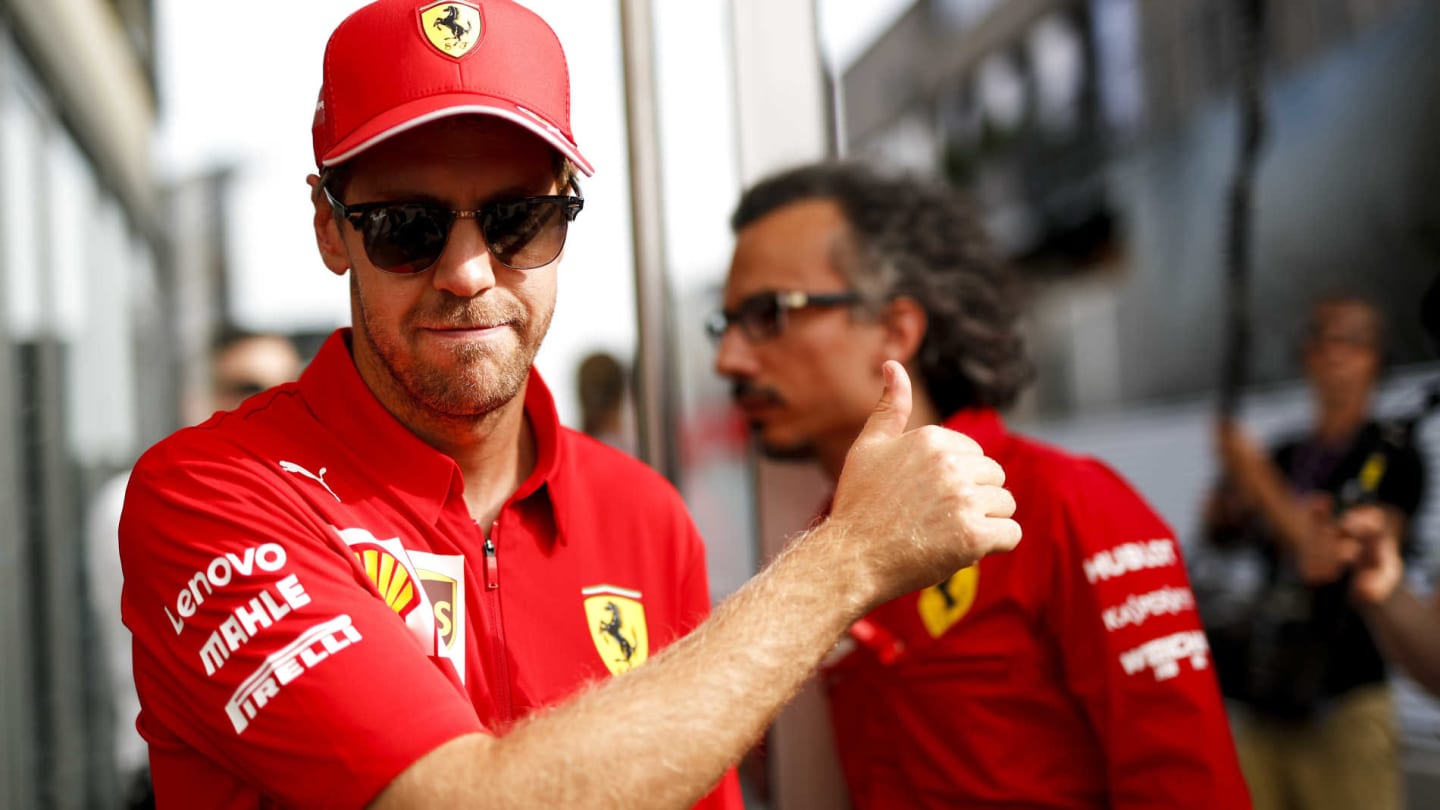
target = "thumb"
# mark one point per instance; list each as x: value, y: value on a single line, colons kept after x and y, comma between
x: 892, y: 412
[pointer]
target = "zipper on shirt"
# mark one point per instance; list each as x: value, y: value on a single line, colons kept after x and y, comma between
x: 500, y: 663
x: 492, y: 568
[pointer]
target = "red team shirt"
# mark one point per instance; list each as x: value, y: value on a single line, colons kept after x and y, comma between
x: 314, y: 609
x: 1071, y: 672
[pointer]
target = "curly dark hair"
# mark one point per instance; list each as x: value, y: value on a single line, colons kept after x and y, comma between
x: 920, y: 239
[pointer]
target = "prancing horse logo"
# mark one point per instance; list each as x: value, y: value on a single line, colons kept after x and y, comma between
x: 617, y: 626
x: 453, y: 28
x: 943, y: 605
x: 611, y: 628
x: 451, y: 20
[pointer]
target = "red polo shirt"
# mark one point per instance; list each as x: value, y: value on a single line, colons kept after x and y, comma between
x: 1071, y: 672
x: 314, y: 610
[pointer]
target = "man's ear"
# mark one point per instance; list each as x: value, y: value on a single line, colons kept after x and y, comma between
x: 327, y: 230
x: 905, y: 323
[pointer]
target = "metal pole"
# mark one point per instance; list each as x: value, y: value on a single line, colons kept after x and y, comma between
x: 783, y: 118
x: 1248, y: 25
x: 655, y: 377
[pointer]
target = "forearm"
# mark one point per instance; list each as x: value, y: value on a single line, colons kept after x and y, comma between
x: 909, y: 509
x: 660, y: 736
x: 1408, y: 632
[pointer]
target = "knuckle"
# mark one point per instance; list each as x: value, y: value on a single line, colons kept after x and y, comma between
x: 933, y: 440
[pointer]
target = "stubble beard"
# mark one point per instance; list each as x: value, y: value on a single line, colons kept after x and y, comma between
x: 800, y: 449
x: 477, y: 380
x: 480, y: 381
x: 795, y: 451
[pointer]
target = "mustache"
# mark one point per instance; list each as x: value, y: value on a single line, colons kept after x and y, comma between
x: 745, y: 392
x: 460, y: 313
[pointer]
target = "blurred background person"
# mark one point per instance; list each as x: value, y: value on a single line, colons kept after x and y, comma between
x: 1373, y: 539
x: 242, y: 364
x: 1023, y: 680
x: 1316, y: 725
x: 602, y: 385
x: 246, y: 363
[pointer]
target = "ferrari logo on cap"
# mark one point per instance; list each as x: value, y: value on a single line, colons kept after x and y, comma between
x: 453, y: 28
x: 947, y: 603
x: 617, y: 626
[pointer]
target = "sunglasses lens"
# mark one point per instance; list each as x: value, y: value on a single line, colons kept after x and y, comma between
x: 407, y: 237
x: 525, y: 234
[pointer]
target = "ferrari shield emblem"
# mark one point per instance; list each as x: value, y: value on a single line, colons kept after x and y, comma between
x: 617, y: 626
x: 453, y: 28
x: 945, y: 604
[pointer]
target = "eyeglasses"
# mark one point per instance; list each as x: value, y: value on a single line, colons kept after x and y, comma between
x: 408, y: 237
x: 762, y: 316
x: 1337, y: 338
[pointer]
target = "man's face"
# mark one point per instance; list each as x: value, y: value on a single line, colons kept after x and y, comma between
x: 810, y: 387
x: 1342, y: 350
x: 457, y: 339
x: 249, y: 366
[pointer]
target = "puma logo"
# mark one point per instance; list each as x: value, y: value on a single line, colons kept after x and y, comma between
x: 292, y: 467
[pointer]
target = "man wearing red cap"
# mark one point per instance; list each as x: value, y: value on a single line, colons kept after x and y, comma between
x: 362, y: 588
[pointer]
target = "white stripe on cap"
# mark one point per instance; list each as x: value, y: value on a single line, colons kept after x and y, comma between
x: 531, y: 122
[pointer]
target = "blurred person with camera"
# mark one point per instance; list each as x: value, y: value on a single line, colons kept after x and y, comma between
x: 1372, y: 539
x: 1315, y: 724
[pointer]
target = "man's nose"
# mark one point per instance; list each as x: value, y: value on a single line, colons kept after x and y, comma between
x: 734, y: 356
x: 466, y: 268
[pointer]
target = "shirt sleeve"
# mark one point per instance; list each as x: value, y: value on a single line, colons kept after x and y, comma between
x: 260, y: 644
x: 1134, y: 652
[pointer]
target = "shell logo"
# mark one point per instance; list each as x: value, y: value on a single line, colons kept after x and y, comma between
x: 390, y: 577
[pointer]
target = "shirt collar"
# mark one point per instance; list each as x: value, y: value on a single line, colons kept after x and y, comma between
x: 413, y: 470
x: 547, y: 479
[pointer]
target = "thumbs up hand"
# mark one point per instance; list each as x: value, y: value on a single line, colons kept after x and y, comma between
x: 914, y: 507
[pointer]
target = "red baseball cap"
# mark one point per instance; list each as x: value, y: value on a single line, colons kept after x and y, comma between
x: 397, y: 64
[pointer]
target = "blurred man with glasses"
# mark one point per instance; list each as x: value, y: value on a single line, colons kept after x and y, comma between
x: 1071, y: 673
x: 399, y: 582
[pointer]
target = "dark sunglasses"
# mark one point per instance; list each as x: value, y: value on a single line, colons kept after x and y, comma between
x: 762, y: 316
x: 408, y: 237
